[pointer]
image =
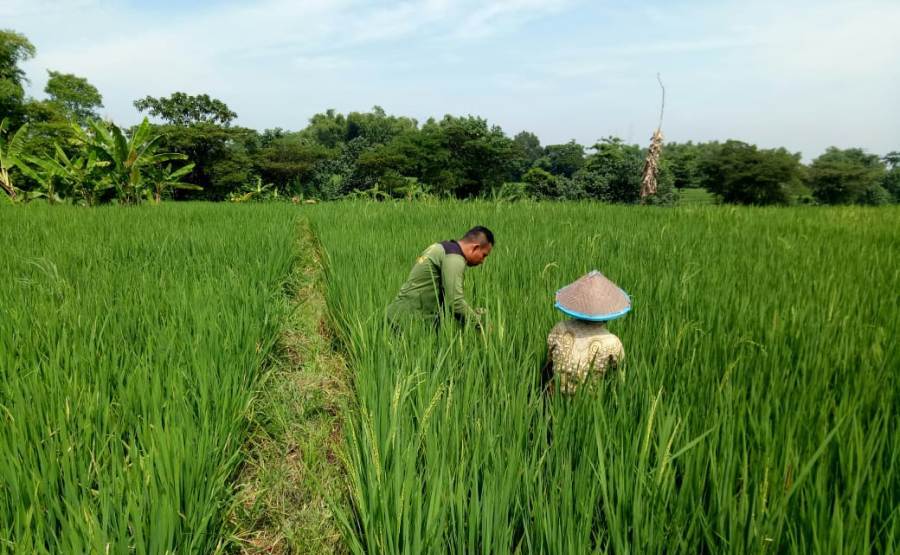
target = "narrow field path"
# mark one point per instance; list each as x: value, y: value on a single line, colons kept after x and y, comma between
x: 292, y: 472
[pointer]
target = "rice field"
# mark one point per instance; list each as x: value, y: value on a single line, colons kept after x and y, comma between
x: 756, y: 410
x: 130, y: 339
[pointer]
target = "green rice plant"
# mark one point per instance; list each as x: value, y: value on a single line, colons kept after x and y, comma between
x: 756, y: 410
x: 130, y: 342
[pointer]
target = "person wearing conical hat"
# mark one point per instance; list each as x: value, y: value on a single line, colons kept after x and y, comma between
x: 581, y: 349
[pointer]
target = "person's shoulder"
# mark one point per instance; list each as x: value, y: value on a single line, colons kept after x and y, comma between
x: 560, y: 329
x: 433, y: 251
x: 451, y: 247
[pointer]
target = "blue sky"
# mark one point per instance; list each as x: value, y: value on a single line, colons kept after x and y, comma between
x: 804, y: 75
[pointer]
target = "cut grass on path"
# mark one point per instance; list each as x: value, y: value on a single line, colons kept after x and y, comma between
x: 292, y: 466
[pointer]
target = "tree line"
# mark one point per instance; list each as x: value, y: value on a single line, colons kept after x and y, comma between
x: 60, y: 150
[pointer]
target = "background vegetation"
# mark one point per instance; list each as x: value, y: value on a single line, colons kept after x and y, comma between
x: 61, y: 155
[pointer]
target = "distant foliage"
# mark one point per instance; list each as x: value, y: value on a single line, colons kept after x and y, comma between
x: 73, y: 96
x: 891, y: 182
x: 381, y: 156
x: 848, y: 176
x: 109, y: 165
x: 185, y: 109
x: 14, y: 49
x: 744, y: 174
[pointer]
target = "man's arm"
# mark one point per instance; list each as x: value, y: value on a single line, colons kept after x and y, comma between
x: 452, y: 270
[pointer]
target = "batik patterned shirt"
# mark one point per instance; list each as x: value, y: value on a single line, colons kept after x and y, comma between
x: 581, y: 350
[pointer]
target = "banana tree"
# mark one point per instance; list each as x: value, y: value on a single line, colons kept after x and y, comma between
x: 128, y: 159
x: 45, y: 173
x: 257, y: 192
x: 10, y: 157
x: 80, y: 177
x: 164, y: 180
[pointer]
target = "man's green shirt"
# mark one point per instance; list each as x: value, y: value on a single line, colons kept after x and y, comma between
x: 434, y: 283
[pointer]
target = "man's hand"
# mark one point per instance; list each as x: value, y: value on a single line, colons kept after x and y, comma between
x: 481, y: 319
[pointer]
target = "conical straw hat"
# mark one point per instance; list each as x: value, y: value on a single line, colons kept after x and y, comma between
x: 593, y: 297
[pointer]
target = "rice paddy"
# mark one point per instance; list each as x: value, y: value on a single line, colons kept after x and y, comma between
x: 130, y: 339
x: 756, y: 410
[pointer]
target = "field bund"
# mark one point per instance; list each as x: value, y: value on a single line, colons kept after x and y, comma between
x: 757, y: 410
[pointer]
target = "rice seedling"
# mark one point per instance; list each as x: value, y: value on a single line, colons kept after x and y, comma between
x: 756, y: 410
x: 130, y: 341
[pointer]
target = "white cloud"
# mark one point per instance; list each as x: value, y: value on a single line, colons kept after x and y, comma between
x: 493, y: 16
x: 320, y: 63
x: 28, y: 8
x: 841, y: 40
x: 803, y: 74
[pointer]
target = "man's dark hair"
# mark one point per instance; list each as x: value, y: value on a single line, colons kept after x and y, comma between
x: 479, y: 234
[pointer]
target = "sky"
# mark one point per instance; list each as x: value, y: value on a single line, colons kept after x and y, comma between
x: 801, y: 74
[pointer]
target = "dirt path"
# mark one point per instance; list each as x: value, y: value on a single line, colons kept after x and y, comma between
x: 292, y: 470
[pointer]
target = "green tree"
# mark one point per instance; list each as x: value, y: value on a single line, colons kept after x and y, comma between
x: 339, y: 172
x: 529, y: 145
x: 891, y: 182
x: 412, y: 154
x: 290, y: 161
x: 199, y: 127
x: 74, y: 96
x: 480, y: 156
x: 849, y: 176
x: 744, y: 174
x: 184, y: 109
x: 223, y: 157
x: 376, y: 127
x: 328, y: 129
x: 14, y: 49
x: 684, y: 162
x: 564, y: 159
x: 613, y: 172
x: 666, y: 192
x: 456, y: 156
x: 528, y: 151
x: 542, y: 184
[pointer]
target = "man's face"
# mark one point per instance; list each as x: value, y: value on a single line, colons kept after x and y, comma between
x: 477, y: 253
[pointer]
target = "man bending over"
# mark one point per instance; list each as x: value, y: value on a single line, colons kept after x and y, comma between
x: 435, y: 283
